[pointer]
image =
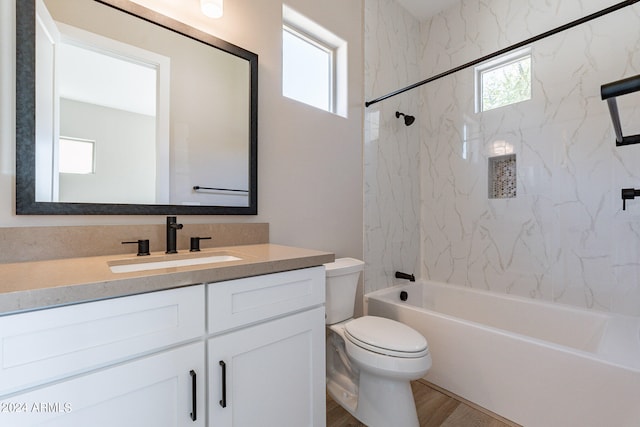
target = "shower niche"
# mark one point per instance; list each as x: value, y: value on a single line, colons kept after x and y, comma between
x: 502, y: 177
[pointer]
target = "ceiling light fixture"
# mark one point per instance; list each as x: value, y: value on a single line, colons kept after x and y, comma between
x: 211, y: 8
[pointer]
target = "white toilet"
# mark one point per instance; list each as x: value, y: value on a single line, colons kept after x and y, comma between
x: 370, y: 360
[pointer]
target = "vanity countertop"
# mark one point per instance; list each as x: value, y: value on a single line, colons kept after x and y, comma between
x: 41, y: 284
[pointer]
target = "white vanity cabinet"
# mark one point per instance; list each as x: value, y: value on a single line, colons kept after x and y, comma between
x: 131, y: 361
x: 246, y: 352
x: 266, y: 357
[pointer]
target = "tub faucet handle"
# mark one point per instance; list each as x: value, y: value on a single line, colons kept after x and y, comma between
x: 628, y: 194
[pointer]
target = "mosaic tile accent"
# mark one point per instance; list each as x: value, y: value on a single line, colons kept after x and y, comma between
x: 502, y: 177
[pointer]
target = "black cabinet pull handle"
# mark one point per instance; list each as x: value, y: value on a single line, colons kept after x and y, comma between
x: 194, y: 391
x: 223, y: 402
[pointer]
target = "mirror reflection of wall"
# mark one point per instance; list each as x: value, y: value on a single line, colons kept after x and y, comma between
x: 119, y: 114
x: 150, y: 148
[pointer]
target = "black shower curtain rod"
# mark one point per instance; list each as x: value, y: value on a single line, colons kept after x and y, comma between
x: 546, y: 34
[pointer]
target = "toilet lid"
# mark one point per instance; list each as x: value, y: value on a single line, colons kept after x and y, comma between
x: 386, y: 336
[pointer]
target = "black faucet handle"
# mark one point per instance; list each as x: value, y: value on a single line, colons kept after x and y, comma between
x: 195, y: 243
x: 143, y: 246
x: 628, y: 194
x: 172, y: 222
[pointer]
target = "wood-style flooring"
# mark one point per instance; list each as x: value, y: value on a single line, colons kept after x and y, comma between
x: 435, y: 409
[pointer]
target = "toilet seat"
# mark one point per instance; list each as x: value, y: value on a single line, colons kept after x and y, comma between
x: 386, y: 336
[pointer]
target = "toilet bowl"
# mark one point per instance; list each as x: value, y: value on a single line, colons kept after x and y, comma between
x: 370, y: 360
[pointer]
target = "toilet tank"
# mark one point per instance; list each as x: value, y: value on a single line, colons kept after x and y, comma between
x: 341, y: 286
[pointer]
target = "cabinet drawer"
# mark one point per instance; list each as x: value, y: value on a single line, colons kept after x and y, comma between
x: 241, y: 302
x: 41, y: 346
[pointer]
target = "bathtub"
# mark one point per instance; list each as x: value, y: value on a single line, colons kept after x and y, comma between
x: 534, y: 363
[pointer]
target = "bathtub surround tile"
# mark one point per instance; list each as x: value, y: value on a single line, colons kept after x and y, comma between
x: 564, y: 237
x: 473, y: 29
x: 554, y: 240
x: 391, y: 149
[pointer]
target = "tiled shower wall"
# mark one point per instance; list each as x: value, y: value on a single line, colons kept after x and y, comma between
x: 391, y: 149
x: 564, y: 237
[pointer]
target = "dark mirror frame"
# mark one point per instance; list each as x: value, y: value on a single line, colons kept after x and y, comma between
x: 26, y: 132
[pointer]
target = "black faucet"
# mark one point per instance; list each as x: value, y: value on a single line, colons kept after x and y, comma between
x: 172, y: 226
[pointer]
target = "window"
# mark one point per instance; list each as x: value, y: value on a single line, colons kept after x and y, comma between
x: 313, y: 64
x: 307, y: 70
x: 76, y: 156
x: 503, y: 81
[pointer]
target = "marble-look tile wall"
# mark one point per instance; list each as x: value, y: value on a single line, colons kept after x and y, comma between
x: 391, y: 149
x: 565, y: 237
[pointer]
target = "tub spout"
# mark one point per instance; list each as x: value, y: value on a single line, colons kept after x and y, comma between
x: 409, y: 277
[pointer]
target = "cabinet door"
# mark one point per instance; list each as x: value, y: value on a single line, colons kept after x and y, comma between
x: 153, y: 391
x: 271, y: 374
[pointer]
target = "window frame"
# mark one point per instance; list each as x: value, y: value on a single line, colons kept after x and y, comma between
x: 497, y: 63
x: 327, y: 48
x: 340, y: 64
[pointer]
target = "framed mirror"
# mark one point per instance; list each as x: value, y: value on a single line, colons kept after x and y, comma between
x: 123, y: 111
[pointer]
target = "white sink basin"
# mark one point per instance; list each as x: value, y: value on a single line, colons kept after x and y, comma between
x: 129, y: 265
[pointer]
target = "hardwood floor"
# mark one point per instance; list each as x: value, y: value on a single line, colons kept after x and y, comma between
x: 435, y: 409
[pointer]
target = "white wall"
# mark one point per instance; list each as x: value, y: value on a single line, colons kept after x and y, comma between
x: 125, y: 154
x: 564, y: 237
x: 310, y: 162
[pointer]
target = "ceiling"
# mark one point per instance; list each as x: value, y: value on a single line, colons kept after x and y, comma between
x: 423, y: 9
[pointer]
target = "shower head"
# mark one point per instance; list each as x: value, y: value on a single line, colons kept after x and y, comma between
x: 408, y: 120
